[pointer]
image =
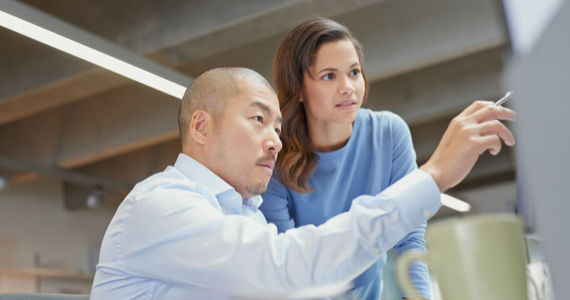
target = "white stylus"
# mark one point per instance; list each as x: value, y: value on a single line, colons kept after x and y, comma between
x: 507, y: 96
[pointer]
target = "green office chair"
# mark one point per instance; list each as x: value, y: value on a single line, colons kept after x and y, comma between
x: 42, y: 297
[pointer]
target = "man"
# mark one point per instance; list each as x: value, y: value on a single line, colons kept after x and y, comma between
x: 194, y: 231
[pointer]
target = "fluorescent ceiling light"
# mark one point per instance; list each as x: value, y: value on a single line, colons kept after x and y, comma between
x: 87, y: 53
x: 454, y: 203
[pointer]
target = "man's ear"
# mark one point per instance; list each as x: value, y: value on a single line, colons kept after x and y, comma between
x: 200, y: 126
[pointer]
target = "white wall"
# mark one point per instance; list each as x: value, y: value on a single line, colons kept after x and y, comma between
x: 493, y: 198
x: 33, y: 221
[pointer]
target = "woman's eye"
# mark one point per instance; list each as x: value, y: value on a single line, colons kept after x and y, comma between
x: 278, y: 131
x: 355, y: 72
x: 328, y: 76
x: 258, y: 119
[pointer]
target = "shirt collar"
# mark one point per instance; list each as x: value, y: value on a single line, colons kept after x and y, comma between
x: 197, y: 172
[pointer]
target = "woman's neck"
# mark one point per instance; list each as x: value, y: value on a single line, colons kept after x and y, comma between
x: 329, y: 136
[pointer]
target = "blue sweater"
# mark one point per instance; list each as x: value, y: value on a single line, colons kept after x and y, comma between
x: 378, y: 153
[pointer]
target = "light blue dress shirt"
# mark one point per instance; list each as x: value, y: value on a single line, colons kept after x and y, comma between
x: 186, y: 234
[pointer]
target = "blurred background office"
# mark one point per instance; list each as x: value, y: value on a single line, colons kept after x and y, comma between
x: 74, y: 137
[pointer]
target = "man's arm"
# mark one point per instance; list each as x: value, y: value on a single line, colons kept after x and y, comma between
x: 187, y: 242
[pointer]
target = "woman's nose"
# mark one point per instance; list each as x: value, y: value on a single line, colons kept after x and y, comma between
x: 346, y: 86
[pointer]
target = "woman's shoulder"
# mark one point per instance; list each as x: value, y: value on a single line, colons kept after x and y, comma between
x: 382, y: 119
x: 275, y: 187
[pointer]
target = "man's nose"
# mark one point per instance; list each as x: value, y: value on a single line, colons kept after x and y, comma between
x: 273, y: 143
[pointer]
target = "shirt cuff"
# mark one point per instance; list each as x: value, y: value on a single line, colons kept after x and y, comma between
x: 416, y: 195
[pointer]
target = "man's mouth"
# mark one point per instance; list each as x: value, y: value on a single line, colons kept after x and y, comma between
x: 269, y: 165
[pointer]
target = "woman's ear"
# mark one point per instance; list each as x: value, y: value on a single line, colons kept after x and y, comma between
x: 198, y: 127
x: 301, y: 98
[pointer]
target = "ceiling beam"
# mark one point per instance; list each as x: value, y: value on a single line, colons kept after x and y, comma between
x: 95, y: 129
x: 442, y: 90
x: 184, y: 40
x: 67, y: 175
x: 78, y: 42
x: 403, y: 36
x: 72, y: 88
x: 260, y: 25
x: 393, y: 47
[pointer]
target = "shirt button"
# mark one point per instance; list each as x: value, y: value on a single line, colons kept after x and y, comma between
x: 376, y: 250
x: 426, y: 213
x: 232, y: 198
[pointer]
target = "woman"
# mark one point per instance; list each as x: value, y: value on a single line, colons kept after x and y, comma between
x: 333, y: 150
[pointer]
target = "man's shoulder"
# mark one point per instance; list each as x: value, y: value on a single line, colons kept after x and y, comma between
x: 170, y: 184
x: 166, y: 178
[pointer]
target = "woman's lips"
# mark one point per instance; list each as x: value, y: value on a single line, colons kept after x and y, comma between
x: 346, y: 104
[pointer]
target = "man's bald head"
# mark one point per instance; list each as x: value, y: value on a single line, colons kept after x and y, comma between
x: 211, y: 91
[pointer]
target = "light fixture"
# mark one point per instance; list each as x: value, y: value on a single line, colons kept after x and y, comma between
x: 96, y: 198
x: 3, y: 183
x: 26, y: 20
x: 454, y: 203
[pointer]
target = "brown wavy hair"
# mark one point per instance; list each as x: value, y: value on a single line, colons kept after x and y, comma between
x: 297, y: 159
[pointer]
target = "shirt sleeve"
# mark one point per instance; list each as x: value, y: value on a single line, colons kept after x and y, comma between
x: 275, y: 206
x: 404, y: 162
x: 174, y: 235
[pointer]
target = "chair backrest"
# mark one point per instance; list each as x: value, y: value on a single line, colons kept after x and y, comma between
x: 42, y: 297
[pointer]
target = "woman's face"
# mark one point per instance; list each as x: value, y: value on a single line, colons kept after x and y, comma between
x: 336, y: 89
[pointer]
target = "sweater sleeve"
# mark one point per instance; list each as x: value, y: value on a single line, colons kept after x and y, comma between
x: 275, y: 206
x: 404, y: 162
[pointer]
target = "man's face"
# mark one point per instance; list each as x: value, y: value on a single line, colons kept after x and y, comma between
x: 245, y: 142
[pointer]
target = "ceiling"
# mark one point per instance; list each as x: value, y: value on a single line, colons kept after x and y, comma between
x: 63, y: 117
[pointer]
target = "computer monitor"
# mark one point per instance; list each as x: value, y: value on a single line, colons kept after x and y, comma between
x: 540, y: 76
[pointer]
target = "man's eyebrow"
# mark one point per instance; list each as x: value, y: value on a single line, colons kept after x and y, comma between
x: 266, y: 109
